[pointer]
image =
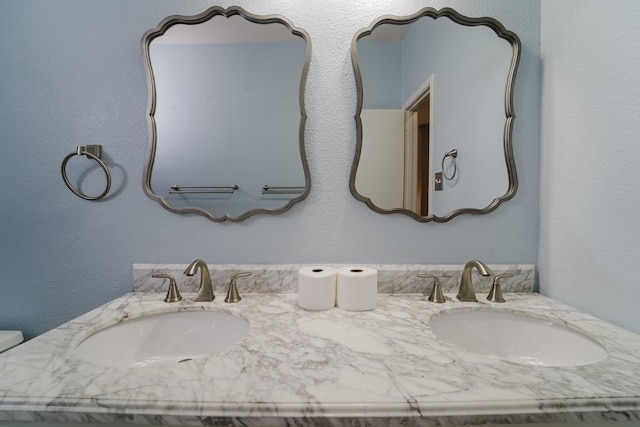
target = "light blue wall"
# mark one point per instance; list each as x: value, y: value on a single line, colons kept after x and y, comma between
x: 380, y: 61
x: 72, y: 74
x: 590, y: 174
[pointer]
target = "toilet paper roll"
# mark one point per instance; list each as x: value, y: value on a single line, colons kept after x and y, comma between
x: 357, y: 288
x: 317, y: 288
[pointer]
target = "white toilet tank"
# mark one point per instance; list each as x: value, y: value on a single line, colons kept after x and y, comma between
x: 10, y: 339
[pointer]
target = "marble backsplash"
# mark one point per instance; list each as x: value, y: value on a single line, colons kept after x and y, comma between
x: 283, y: 278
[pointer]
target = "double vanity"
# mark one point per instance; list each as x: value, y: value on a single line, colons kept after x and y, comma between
x: 258, y: 359
x: 409, y: 361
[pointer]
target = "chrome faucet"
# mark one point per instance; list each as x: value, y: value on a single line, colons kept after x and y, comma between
x: 205, y: 291
x: 466, y: 292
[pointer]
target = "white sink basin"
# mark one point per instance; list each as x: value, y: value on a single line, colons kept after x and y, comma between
x: 517, y: 338
x: 163, y: 338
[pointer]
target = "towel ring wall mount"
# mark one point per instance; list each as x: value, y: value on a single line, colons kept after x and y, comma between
x: 453, y: 154
x: 93, y: 152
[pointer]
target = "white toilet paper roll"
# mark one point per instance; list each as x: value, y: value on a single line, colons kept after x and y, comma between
x: 357, y: 288
x: 317, y: 288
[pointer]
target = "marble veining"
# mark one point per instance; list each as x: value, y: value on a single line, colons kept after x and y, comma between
x: 329, y: 368
x: 394, y: 279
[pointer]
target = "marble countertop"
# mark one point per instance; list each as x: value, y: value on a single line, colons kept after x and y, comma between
x: 335, y: 368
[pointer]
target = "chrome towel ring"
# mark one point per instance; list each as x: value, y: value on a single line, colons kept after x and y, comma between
x: 453, y: 154
x: 93, y: 152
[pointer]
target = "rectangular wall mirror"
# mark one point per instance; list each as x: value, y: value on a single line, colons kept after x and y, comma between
x: 226, y: 114
x: 434, y: 115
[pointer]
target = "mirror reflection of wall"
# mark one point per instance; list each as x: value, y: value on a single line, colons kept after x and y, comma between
x: 228, y: 116
x: 429, y: 86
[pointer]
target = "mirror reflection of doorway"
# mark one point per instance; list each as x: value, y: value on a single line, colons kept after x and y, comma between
x: 419, y: 150
x: 395, y: 167
x: 424, y: 165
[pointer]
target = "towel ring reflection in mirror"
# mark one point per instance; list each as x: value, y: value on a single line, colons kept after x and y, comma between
x: 93, y: 152
x: 452, y: 154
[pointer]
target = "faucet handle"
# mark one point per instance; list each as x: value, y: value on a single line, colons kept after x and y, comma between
x: 232, y: 292
x: 173, y: 295
x: 436, y: 292
x: 495, y: 294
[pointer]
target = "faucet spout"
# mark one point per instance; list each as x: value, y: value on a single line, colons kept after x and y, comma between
x: 466, y: 292
x: 205, y: 291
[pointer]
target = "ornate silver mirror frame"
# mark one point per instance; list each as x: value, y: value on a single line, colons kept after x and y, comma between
x: 457, y: 18
x: 299, y: 192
